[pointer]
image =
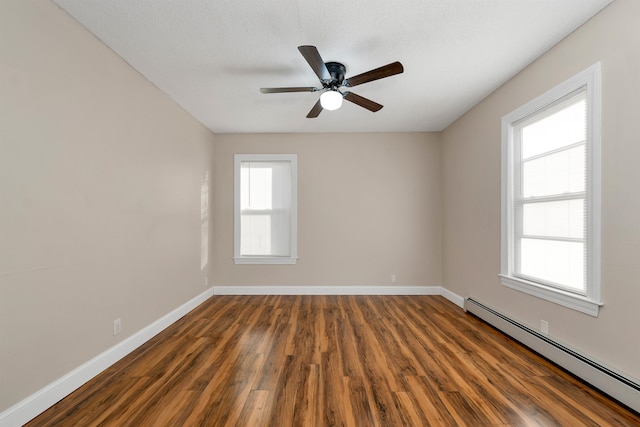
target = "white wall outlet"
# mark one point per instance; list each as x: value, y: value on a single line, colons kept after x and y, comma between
x: 544, y: 327
x: 393, y: 278
x: 117, y: 326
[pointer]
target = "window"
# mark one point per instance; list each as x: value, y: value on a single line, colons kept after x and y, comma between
x: 551, y: 195
x: 265, y: 221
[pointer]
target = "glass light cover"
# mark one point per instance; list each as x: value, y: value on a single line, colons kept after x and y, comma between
x: 331, y: 100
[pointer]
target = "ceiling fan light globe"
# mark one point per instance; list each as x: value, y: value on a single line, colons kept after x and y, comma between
x: 331, y: 100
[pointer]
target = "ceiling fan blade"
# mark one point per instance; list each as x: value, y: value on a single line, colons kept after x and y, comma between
x: 315, y: 111
x: 287, y: 89
x: 316, y: 62
x: 379, y: 73
x: 362, y: 101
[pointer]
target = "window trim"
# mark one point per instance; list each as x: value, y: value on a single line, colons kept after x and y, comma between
x: 256, y: 259
x: 589, y: 303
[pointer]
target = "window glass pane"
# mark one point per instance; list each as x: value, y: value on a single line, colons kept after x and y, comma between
x: 280, y: 233
x: 256, y: 186
x: 255, y: 238
x: 265, y: 208
x: 558, y: 173
x: 563, y: 218
x: 281, y: 178
x: 560, y: 129
x: 558, y: 262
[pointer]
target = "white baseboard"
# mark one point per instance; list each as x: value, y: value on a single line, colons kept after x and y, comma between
x: 326, y: 290
x: 454, y: 298
x: 340, y: 290
x: 32, y: 406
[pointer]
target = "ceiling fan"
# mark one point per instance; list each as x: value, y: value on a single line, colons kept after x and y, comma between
x: 331, y: 75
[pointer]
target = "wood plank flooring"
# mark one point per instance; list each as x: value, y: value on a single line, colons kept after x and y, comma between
x: 333, y: 361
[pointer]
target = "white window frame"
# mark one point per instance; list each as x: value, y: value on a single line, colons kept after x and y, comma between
x: 293, y: 256
x: 590, y: 302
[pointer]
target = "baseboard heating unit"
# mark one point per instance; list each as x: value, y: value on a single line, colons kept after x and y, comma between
x: 616, y: 385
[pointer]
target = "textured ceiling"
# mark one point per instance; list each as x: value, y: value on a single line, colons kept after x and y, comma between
x: 212, y: 56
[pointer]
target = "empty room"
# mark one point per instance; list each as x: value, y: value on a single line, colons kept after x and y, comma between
x: 293, y: 213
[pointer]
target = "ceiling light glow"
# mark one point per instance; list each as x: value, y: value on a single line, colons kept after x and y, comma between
x: 331, y: 100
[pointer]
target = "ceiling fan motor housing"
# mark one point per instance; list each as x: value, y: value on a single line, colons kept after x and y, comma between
x: 337, y: 72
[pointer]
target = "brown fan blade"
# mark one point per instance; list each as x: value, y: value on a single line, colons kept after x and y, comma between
x: 379, y: 73
x: 316, y: 62
x: 362, y: 101
x: 315, y: 111
x: 287, y: 89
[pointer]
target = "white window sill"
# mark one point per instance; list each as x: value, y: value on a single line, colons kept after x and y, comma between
x: 566, y: 299
x: 265, y: 260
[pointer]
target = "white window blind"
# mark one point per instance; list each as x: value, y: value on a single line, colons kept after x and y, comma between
x: 265, y: 209
x: 265, y: 222
x: 549, y: 200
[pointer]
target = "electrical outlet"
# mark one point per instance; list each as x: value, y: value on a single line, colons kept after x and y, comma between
x: 544, y: 327
x: 393, y: 278
x: 117, y: 326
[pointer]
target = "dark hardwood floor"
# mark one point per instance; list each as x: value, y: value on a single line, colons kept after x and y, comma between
x: 333, y: 361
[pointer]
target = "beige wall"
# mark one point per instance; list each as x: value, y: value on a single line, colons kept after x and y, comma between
x: 100, y: 198
x: 471, y: 190
x: 368, y: 207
